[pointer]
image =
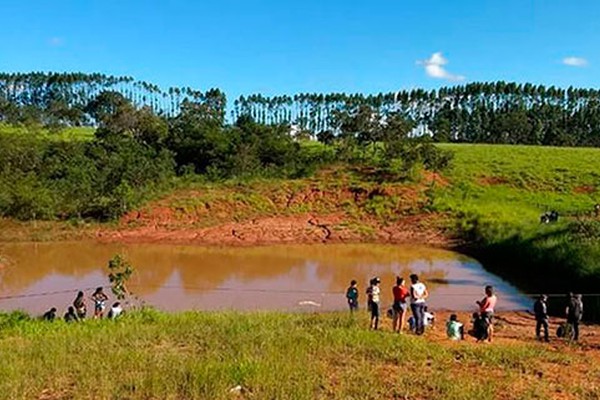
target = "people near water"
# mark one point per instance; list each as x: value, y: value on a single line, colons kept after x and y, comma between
x: 486, y: 309
x: 79, y: 305
x: 373, y: 299
x: 480, y: 327
x: 400, y: 305
x: 352, y: 296
x: 99, y: 298
x: 115, y: 311
x: 70, y: 315
x: 418, y: 296
x: 540, y: 309
x: 574, y: 312
x: 454, y: 328
x: 50, y: 315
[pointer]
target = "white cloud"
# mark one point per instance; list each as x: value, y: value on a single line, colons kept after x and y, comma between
x: 434, y: 67
x: 55, y: 41
x: 575, y: 61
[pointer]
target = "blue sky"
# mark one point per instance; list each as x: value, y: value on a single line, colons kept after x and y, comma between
x: 281, y: 47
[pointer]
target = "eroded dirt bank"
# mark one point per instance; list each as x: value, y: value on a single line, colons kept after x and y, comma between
x: 296, y: 229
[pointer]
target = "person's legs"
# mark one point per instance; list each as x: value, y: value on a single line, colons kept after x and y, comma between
x: 396, y: 321
x: 413, y: 309
x: 419, y: 318
x: 376, y: 315
x: 402, y: 319
x: 538, y: 327
x: 546, y: 335
x: 575, y: 330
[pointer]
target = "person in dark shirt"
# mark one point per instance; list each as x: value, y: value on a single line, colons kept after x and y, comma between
x: 79, y: 306
x: 574, y: 313
x: 49, y: 315
x: 540, y: 309
x: 352, y: 296
x: 70, y: 316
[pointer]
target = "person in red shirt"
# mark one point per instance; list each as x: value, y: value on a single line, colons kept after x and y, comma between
x: 401, y: 293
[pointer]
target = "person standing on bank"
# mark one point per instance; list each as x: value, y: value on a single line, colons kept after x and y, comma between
x: 373, y: 293
x: 400, y: 305
x: 352, y: 296
x: 486, y: 309
x: 574, y: 313
x: 540, y: 309
x: 418, y: 296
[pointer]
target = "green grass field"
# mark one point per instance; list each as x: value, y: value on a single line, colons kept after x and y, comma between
x: 150, y: 355
x: 63, y: 134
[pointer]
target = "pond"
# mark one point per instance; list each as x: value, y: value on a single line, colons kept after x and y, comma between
x: 37, y: 276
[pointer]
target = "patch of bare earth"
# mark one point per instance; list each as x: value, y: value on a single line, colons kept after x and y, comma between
x: 310, y: 214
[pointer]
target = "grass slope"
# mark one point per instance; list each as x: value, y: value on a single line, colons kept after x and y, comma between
x: 150, y: 355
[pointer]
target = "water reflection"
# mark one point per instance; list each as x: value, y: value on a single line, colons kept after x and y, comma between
x: 276, y: 277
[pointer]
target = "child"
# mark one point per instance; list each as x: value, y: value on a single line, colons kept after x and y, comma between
x: 373, y: 293
x: 70, y: 316
x: 99, y: 298
x: 480, y: 327
x: 50, y: 315
x: 79, y: 306
x: 454, y: 329
x: 115, y: 311
x: 352, y: 296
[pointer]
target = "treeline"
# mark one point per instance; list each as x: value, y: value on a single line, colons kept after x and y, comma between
x: 475, y: 113
x: 497, y: 112
x: 62, y: 99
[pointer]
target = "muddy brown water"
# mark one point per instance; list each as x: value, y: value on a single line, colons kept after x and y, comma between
x: 36, y: 276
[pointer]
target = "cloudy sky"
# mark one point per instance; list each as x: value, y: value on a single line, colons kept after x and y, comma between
x: 278, y: 46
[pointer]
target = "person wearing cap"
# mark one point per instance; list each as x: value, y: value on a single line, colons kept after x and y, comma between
x: 540, y: 309
x: 373, y: 294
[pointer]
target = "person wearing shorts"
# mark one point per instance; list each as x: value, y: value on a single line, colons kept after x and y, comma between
x: 486, y: 310
x: 401, y: 294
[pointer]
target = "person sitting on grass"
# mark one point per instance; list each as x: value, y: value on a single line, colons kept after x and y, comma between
x: 50, y: 315
x: 480, y: 327
x: 70, y: 316
x: 115, y: 311
x: 99, y: 298
x: 454, y: 329
x: 352, y: 296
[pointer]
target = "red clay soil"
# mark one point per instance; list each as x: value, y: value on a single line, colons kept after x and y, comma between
x: 303, y: 228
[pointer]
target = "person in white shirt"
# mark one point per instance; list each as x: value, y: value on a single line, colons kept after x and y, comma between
x: 418, y: 295
x: 373, y: 294
x: 115, y: 311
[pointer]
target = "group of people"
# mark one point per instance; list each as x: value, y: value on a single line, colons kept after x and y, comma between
x: 482, y: 328
x: 414, y: 296
x: 573, y: 312
x: 78, y: 311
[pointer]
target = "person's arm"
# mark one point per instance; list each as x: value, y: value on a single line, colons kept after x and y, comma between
x: 425, y: 294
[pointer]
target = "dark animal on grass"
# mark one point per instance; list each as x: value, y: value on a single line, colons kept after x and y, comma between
x: 549, y: 216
